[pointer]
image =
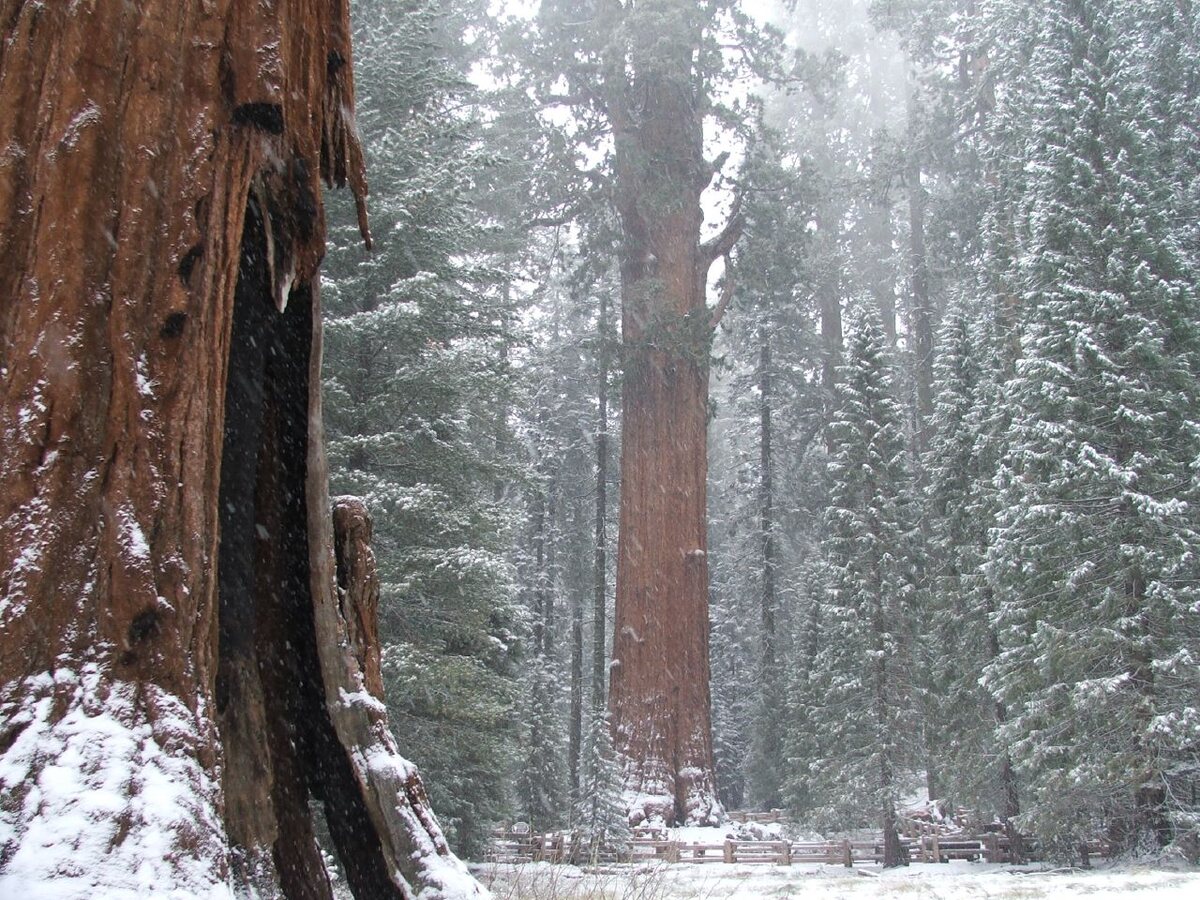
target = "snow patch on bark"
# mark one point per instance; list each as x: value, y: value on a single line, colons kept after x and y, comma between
x: 36, y: 530
x: 442, y: 875
x: 362, y: 698
x: 101, y: 794
x: 133, y: 539
x: 88, y: 114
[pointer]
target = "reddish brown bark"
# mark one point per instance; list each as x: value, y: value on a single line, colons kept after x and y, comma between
x: 660, y: 693
x: 161, y: 224
x: 660, y: 673
x: 387, y: 788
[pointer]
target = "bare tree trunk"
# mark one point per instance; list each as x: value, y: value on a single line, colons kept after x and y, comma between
x: 541, y: 589
x: 600, y: 596
x: 575, y: 724
x: 660, y: 695
x: 828, y: 290
x: 770, y: 550
x: 766, y: 774
x: 379, y: 815
x: 830, y: 309
x: 549, y: 581
x: 920, y: 310
x: 161, y: 223
x: 879, y: 225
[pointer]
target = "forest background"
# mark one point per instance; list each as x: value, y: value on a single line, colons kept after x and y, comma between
x: 953, y: 432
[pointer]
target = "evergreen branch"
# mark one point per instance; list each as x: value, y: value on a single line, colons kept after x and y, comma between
x: 548, y: 101
x: 553, y: 221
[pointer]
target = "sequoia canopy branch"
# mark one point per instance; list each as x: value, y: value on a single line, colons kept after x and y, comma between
x: 174, y: 631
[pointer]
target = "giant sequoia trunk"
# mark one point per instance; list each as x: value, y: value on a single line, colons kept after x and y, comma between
x: 182, y: 669
x: 660, y: 670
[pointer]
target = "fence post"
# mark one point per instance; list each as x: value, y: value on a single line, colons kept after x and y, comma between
x: 847, y: 855
x: 934, y: 849
x: 673, y: 852
x: 785, y: 853
x: 729, y: 855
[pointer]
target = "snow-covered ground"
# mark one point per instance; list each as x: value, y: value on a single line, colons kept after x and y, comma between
x: 959, y: 880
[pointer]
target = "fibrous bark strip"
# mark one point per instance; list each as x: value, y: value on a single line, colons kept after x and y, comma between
x: 659, y: 688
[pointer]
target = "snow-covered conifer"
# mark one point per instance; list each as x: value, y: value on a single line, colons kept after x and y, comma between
x: 1094, y: 560
x: 416, y: 384
x: 863, y: 715
x: 600, y: 819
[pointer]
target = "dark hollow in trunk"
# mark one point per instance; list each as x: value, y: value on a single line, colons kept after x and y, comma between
x: 281, y: 747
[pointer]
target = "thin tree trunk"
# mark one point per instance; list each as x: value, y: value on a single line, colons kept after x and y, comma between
x: 920, y: 310
x: 887, y: 773
x: 883, y: 702
x: 880, y: 230
x: 575, y: 725
x: 1010, y: 797
x: 548, y: 582
x: 160, y: 207
x: 541, y: 587
x: 770, y: 552
x: 1011, y: 801
x: 600, y: 570
x: 765, y: 774
x: 887, y: 777
x: 830, y: 310
x: 500, y: 429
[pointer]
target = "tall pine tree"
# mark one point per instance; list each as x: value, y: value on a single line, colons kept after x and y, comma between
x: 864, y: 714
x: 1094, y: 561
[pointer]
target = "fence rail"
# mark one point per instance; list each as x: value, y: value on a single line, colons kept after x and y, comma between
x: 522, y: 846
x: 769, y: 817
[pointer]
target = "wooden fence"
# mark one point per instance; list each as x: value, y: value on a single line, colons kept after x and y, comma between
x: 991, y: 847
x: 521, y: 847
x: 770, y: 817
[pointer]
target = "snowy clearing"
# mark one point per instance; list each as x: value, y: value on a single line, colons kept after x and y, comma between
x: 958, y: 880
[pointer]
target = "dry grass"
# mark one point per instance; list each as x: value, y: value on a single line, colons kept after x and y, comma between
x: 540, y: 881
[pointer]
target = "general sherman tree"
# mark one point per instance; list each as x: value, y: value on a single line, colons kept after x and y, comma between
x: 643, y: 74
x: 187, y: 661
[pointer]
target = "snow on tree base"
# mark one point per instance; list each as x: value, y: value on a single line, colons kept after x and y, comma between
x: 101, y: 791
x: 441, y: 874
x: 651, y: 809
